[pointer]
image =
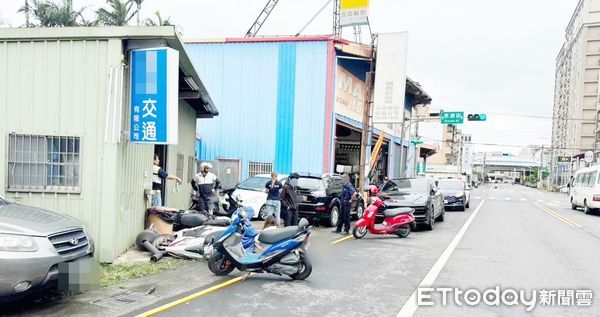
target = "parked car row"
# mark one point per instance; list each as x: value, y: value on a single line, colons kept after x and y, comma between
x: 429, y: 199
x: 319, y: 197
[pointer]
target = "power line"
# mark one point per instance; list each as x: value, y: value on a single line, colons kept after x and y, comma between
x: 505, y: 145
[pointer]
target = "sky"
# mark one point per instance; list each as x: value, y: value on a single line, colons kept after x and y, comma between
x: 477, y: 56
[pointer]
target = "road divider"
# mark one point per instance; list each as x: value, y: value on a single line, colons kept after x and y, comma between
x: 410, y: 307
x: 557, y: 215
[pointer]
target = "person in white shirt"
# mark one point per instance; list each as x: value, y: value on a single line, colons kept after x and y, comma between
x: 206, y: 184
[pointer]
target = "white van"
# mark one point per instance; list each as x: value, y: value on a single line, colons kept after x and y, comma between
x: 585, y: 190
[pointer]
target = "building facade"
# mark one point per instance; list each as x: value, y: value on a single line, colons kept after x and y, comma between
x: 291, y: 105
x: 575, y: 127
x: 65, y: 127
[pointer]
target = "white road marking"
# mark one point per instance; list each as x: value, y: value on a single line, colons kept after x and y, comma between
x: 507, y: 198
x: 554, y: 201
x: 410, y: 307
x: 523, y: 199
x: 477, y: 197
x: 492, y: 198
x: 551, y: 204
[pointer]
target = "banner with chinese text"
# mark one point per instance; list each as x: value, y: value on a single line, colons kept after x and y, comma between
x: 154, y: 96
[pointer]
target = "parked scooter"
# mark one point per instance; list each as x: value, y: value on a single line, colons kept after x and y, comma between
x: 284, y: 250
x: 399, y: 221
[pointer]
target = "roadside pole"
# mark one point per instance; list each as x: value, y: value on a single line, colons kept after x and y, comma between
x: 366, y: 120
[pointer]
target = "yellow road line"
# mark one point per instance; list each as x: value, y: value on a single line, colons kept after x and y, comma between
x: 192, y: 297
x: 210, y: 290
x: 558, y: 216
x: 342, y: 239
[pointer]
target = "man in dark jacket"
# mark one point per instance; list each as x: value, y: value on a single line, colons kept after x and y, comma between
x: 289, y: 200
x: 348, y: 192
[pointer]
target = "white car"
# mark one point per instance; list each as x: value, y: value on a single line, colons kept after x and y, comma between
x: 252, y: 193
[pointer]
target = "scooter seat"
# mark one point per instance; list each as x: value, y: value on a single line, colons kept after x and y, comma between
x: 397, y: 211
x: 276, y: 235
x: 217, y: 222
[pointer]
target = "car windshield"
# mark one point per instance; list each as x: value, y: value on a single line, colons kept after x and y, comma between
x: 407, y: 186
x: 256, y: 183
x: 451, y: 184
x: 312, y: 184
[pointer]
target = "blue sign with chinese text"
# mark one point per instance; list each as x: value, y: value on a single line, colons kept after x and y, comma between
x: 154, y: 96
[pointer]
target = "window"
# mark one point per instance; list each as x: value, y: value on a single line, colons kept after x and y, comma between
x: 255, y: 168
x: 43, y: 163
x: 407, y: 186
x: 191, y: 163
x: 256, y: 183
x: 591, y: 179
x: 180, y: 163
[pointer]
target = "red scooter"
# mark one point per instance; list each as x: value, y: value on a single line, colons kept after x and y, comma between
x: 399, y: 221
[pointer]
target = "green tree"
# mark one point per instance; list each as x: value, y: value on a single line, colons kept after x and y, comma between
x: 117, y: 15
x: 159, y: 21
x: 49, y: 13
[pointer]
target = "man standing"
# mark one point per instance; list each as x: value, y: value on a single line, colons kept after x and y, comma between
x: 273, y: 189
x: 348, y: 192
x: 206, y: 184
x: 289, y: 200
x: 158, y: 174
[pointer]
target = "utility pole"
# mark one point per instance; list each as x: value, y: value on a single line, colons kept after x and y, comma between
x: 541, y: 165
x: 337, y: 28
x: 483, y: 169
x: 366, y: 120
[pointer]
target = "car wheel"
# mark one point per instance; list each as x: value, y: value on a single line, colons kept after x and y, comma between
x: 262, y: 214
x: 430, y: 221
x: 334, y: 216
x: 573, y: 206
x: 440, y: 218
x: 587, y: 210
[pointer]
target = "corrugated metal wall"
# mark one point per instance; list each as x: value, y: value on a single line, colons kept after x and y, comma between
x: 254, y: 82
x: 59, y: 88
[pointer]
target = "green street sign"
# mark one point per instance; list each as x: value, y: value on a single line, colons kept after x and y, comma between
x: 564, y: 159
x: 421, y: 167
x: 416, y: 142
x: 456, y: 117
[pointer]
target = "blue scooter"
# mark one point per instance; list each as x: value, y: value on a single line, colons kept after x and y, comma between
x: 284, y: 249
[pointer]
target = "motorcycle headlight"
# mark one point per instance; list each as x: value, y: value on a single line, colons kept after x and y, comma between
x: 14, y: 243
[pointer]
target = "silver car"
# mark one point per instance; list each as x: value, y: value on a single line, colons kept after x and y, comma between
x: 35, y: 245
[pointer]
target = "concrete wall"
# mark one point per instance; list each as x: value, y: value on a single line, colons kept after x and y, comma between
x: 179, y: 196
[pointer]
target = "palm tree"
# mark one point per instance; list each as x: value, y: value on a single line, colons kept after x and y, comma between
x: 137, y: 11
x: 49, y: 13
x: 159, y: 22
x: 117, y: 15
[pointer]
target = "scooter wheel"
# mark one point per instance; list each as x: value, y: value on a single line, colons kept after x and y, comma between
x: 404, y: 231
x: 305, y: 271
x: 359, y: 232
x: 219, y: 264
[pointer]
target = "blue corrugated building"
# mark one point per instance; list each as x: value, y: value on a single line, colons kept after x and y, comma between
x: 286, y: 104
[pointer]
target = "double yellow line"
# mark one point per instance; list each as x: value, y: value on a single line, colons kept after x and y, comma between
x: 558, y: 216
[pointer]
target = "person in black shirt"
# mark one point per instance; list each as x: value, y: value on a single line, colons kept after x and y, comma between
x: 289, y: 200
x: 158, y: 174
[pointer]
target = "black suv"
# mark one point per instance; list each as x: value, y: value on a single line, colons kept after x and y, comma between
x: 319, y: 198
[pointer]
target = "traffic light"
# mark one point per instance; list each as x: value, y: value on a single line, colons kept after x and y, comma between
x: 477, y: 117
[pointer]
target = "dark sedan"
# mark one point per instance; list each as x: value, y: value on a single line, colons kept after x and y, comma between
x: 456, y: 193
x: 420, y: 194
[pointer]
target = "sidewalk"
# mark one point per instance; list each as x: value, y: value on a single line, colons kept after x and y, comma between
x: 134, y: 296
